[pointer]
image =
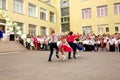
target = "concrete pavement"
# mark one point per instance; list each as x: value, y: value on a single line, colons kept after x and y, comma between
x: 33, y: 65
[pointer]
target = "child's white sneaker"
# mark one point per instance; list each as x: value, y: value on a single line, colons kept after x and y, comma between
x: 63, y: 57
x: 77, y: 55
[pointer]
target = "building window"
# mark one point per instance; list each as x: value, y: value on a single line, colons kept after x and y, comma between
x: 116, y: 29
x: 102, y: 11
x: 43, y: 14
x: 47, y: 2
x: 65, y: 19
x: 65, y: 11
x: 18, y: 6
x: 64, y: 4
x: 3, y: 4
x: 20, y: 27
x: 117, y: 8
x: 32, y: 29
x: 43, y: 30
x: 87, y: 29
x: 65, y: 27
x: 62, y: 20
x: 100, y: 30
x: 107, y: 29
x: 86, y: 13
x: 32, y: 10
x: 52, y: 17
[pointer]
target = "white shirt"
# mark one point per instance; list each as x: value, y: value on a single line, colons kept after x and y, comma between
x: 8, y: 32
x: 55, y: 38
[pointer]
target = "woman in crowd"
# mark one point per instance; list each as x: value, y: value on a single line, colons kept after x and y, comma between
x: 8, y: 34
x: 1, y: 33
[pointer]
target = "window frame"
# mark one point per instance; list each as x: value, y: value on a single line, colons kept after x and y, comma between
x: 43, y: 30
x: 86, y: 13
x: 117, y: 8
x: 20, y: 5
x: 43, y: 14
x: 52, y: 17
x: 32, y: 10
x: 107, y: 29
x: 102, y: 11
x: 2, y: 4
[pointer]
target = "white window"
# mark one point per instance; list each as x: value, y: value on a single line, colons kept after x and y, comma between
x: 52, y: 17
x: 100, y: 30
x: 18, y: 6
x: 86, y: 13
x: 117, y: 8
x: 20, y: 27
x: 43, y: 30
x: 87, y: 29
x: 102, y: 11
x: 43, y: 14
x: 64, y: 4
x: 3, y: 4
x: 65, y: 19
x: 32, y: 30
x: 32, y: 10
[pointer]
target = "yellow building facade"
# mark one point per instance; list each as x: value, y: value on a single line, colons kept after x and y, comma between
x: 37, y: 17
x: 33, y: 17
x: 98, y: 16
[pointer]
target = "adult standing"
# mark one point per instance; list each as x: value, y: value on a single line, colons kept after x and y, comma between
x: 1, y: 33
x: 53, y: 44
x: 8, y: 34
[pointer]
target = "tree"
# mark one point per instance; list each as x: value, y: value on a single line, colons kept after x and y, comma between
x: 14, y: 28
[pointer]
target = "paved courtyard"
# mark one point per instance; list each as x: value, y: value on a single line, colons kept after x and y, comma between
x: 33, y: 65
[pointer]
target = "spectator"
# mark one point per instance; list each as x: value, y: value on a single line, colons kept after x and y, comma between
x: 8, y: 34
x: 1, y: 33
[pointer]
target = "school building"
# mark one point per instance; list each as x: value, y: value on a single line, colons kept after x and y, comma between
x: 98, y: 16
x: 34, y: 17
x: 37, y: 17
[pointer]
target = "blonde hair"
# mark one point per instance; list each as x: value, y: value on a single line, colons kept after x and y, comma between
x: 52, y: 31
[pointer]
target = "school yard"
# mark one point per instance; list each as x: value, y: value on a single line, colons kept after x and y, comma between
x: 34, y: 65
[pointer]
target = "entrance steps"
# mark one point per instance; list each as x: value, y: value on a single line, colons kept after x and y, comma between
x: 11, y: 46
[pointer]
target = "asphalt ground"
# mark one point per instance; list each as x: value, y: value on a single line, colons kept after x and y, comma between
x: 34, y: 65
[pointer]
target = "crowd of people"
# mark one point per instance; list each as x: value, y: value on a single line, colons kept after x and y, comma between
x: 70, y: 42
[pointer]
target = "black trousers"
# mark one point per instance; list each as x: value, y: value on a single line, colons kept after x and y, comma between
x: 27, y: 45
x: 112, y: 48
x: 72, y: 45
x: 52, y: 46
x: 119, y: 47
